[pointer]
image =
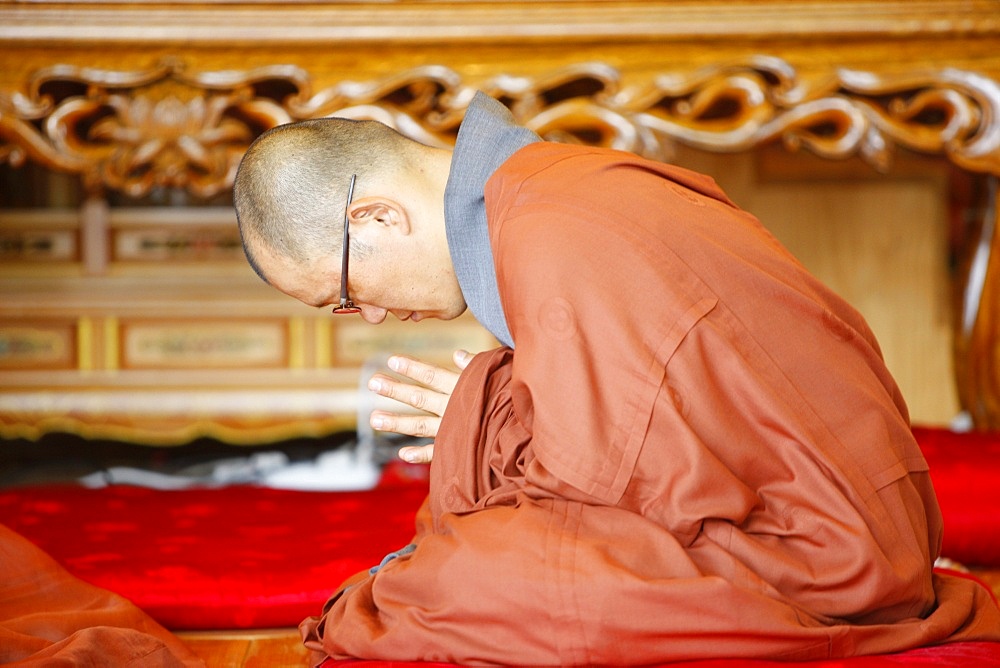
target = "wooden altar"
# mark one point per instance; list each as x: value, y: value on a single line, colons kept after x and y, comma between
x: 127, y: 310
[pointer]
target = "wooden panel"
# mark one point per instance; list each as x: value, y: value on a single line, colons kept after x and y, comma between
x: 356, y: 342
x: 38, y: 245
x: 204, y: 344
x: 160, y: 235
x: 27, y: 344
x: 39, y: 238
x: 152, y: 104
x: 276, y: 648
x: 880, y: 241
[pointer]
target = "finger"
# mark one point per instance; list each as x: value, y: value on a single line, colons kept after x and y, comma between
x: 417, y: 454
x: 462, y: 358
x: 435, y: 377
x: 421, y: 398
x: 410, y: 425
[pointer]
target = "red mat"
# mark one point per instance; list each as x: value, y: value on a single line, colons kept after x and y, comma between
x: 248, y: 557
x: 959, y: 655
x: 234, y: 557
x: 965, y: 469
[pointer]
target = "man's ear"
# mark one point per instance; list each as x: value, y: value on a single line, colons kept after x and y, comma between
x: 380, y: 211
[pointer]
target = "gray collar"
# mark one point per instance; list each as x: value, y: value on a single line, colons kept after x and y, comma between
x: 487, y: 137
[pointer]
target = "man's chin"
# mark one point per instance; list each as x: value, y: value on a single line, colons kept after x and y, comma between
x: 437, y: 315
x: 456, y: 313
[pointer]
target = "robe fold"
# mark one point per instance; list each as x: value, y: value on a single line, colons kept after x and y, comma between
x: 695, y: 450
x: 50, y: 618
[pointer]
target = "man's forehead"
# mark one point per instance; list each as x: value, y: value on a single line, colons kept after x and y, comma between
x: 308, y: 285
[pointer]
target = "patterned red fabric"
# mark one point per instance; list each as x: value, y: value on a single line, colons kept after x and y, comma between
x: 965, y: 469
x: 234, y: 557
x: 248, y: 557
x: 958, y: 655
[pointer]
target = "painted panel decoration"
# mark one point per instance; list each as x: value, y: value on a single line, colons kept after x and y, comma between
x: 358, y: 342
x: 204, y: 344
x: 37, y: 346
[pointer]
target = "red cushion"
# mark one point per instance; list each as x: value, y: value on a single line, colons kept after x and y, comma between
x: 235, y: 557
x: 249, y: 557
x: 957, y: 655
x: 965, y: 470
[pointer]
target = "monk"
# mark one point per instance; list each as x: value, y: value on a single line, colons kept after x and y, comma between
x: 686, y: 446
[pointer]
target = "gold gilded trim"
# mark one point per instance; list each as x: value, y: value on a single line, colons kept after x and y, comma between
x: 156, y: 432
x: 112, y: 348
x: 296, y: 343
x: 324, y: 342
x: 122, y: 133
x: 85, y: 344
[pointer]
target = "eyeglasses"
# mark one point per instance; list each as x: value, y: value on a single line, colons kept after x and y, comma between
x: 346, y: 305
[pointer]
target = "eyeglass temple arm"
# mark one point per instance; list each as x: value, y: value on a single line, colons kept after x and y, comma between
x: 347, y: 240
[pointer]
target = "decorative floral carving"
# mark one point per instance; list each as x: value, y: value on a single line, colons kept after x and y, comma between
x: 165, y: 126
x: 133, y: 130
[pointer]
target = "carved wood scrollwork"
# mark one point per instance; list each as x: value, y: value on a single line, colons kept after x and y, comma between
x: 167, y: 126
x: 744, y: 105
x: 133, y: 130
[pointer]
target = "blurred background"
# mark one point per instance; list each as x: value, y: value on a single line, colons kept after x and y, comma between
x: 133, y: 335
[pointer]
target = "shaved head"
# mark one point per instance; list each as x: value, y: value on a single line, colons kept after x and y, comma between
x: 291, y: 187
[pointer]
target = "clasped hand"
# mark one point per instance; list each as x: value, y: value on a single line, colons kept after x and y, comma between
x: 429, y: 391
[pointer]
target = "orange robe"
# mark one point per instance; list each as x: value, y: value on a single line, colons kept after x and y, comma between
x: 695, y: 450
x: 50, y: 618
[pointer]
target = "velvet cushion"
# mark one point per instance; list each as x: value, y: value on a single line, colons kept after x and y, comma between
x: 965, y: 469
x: 249, y: 557
x: 958, y: 655
x: 234, y: 557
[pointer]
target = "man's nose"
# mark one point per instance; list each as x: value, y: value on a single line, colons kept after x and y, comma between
x: 373, y: 315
